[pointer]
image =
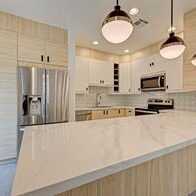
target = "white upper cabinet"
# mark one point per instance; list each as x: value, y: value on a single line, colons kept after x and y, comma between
x: 100, y: 73
x: 174, y: 74
x: 125, y: 78
x: 136, y: 72
x: 82, y: 75
x: 155, y: 64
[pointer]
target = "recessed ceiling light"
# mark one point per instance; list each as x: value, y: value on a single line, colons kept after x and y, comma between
x: 171, y: 29
x: 95, y: 43
x: 126, y: 51
x: 134, y: 11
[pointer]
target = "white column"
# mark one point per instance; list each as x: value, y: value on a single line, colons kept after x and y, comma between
x: 71, y: 71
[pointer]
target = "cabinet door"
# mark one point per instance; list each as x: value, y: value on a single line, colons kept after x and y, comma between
x: 56, y: 53
x: 174, y: 74
x: 107, y: 73
x: 136, y: 68
x: 125, y: 78
x: 98, y: 114
x: 112, y: 113
x: 31, y: 49
x: 81, y: 76
x: 94, y: 72
x: 100, y: 73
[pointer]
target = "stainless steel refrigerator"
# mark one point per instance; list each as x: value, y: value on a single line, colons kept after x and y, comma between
x: 42, y: 97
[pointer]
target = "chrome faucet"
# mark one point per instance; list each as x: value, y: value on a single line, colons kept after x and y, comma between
x: 98, y: 99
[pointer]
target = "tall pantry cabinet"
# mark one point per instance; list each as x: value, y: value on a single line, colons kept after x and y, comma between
x: 23, y: 42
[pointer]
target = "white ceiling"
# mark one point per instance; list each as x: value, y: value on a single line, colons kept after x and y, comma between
x: 85, y: 17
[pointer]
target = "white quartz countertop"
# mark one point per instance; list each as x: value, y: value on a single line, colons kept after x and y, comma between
x: 59, y: 157
x: 103, y: 108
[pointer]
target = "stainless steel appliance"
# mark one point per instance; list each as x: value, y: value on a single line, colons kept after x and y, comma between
x: 154, y: 82
x: 154, y: 106
x: 42, y: 97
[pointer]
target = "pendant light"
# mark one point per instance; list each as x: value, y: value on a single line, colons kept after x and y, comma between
x: 193, y: 60
x: 174, y: 46
x: 117, y: 26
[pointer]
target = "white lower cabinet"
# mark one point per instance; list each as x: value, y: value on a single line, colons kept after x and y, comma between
x: 82, y: 75
x: 100, y: 73
x: 125, y: 78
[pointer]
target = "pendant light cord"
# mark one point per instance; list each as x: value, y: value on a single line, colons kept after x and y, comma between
x: 116, y: 2
x: 172, y: 13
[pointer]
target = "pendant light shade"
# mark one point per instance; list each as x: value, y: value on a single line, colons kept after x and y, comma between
x: 117, y: 26
x: 174, y: 46
x: 193, y: 60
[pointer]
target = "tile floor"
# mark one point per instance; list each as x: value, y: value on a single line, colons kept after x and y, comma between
x: 7, y: 172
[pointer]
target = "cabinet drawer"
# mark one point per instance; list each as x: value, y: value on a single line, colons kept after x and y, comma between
x: 129, y: 112
x: 98, y: 114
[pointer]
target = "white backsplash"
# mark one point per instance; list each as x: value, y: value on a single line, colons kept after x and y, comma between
x: 186, y: 101
x: 89, y: 100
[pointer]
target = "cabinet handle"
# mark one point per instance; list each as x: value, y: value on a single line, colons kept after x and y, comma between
x: 119, y: 111
x: 48, y: 59
x: 167, y: 87
x: 150, y: 64
x: 86, y: 88
x: 107, y: 112
x: 139, y: 89
x: 42, y: 58
x: 104, y: 112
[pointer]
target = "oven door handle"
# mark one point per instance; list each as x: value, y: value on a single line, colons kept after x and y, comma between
x: 148, y: 112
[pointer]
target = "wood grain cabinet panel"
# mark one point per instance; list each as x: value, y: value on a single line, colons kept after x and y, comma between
x: 114, y: 113
x: 98, y: 114
x: 8, y: 94
x: 31, y: 49
x: 173, y: 174
x: 190, y: 39
x: 56, y: 54
x: 129, y: 112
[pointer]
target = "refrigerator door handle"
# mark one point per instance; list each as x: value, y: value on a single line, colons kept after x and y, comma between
x: 66, y: 96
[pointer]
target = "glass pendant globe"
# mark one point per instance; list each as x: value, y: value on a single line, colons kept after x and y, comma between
x: 173, y: 47
x: 117, y: 31
x: 117, y: 26
x: 193, y: 60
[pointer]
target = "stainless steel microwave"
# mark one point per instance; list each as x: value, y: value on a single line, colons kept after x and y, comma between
x: 154, y: 82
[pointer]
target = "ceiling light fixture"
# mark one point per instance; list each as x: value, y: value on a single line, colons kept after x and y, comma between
x: 117, y: 26
x: 193, y: 60
x: 174, y: 46
x: 134, y: 11
x: 95, y: 43
x: 126, y: 51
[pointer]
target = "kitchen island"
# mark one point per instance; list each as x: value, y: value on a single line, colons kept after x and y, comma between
x: 151, y: 155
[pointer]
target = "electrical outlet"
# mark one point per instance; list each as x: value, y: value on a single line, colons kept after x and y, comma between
x: 192, y: 194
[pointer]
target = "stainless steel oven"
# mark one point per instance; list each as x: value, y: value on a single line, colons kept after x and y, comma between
x: 153, y: 82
